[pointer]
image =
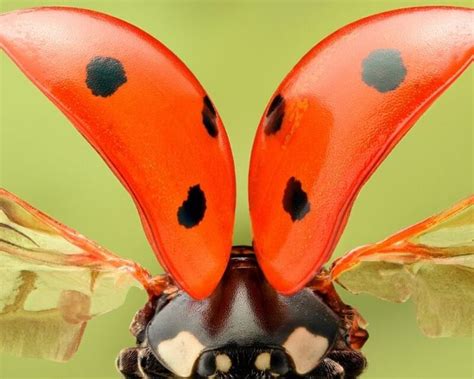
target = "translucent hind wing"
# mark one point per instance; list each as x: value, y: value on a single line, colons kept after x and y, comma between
x: 53, y: 281
x: 431, y: 263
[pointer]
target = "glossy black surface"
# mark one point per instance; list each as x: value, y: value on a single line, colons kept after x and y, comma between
x: 244, y: 311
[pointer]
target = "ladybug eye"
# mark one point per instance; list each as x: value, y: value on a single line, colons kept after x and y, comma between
x: 207, y: 364
x: 210, y: 363
x: 279, y: 363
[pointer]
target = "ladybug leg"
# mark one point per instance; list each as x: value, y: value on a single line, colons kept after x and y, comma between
x: 353, y: 362
x: 140, y: 363
x: 339, y: 364
x: 327, y: 369
x: 150, y: 367
x: 127, y: 363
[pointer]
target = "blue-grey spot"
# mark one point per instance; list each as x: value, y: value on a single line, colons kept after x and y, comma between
x: 383, y: 69
x: 105, y: 75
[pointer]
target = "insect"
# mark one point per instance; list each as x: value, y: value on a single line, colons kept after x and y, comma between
x: 261, y: 311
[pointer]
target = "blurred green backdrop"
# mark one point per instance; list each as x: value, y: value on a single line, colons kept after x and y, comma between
x: 240, y: 51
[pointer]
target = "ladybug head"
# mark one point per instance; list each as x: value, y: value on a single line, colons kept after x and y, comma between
x: 244, y: 326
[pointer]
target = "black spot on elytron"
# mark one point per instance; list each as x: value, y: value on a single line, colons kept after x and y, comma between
x: 191, y: 212
x: 105, y: 75
x: 295, y: 200
x: 384, y: 70
x: 277, y: 100
x: 274, y: 116
x: 208, y: 105
x: 209, y: 117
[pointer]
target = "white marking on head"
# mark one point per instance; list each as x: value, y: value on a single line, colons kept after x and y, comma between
x: 263, y: 361
x: 306, y: 349
x: 180, y: 353
x: 223, y: 363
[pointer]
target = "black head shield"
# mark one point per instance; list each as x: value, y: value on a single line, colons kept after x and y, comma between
x: 244, y: 325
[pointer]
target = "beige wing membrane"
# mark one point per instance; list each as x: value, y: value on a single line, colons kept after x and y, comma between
x: 431, y: 263
x: 53, y: 281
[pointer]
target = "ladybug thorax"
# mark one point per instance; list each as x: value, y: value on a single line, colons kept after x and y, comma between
x: 244, y: 325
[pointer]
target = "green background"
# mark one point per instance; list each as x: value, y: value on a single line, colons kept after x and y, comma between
x: 240, y: 51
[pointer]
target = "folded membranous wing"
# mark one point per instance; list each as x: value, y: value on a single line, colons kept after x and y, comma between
x: 431, y: 262
x: 53, y: 280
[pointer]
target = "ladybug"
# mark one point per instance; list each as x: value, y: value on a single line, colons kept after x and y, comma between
x: 222, y: 311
